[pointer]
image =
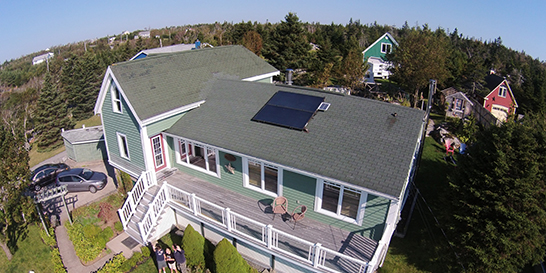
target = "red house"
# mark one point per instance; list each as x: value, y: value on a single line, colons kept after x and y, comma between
x: 500, y: 101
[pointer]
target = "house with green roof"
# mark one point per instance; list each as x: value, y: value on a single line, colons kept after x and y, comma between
x: 375, y: 55
x: 212, y: 142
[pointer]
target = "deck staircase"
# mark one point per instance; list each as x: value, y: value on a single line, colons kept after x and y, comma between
x: 132, y: 227
x: 138, y: 204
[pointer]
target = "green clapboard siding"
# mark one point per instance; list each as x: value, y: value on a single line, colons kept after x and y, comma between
x: 69, y: 149
x: 160, y: 126
x: 124, y: 123
x: 88, y: 151
x: 375, y: 51
x: 298, y: 190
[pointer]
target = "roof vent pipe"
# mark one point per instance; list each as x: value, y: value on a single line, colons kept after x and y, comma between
x: 289, y: 72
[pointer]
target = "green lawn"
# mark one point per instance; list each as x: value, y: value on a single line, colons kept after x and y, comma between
x: 32, y: 254
x: 420, y: 250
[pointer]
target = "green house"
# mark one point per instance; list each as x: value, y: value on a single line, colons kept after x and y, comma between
x: 375, y: 56
x: 215, y: 143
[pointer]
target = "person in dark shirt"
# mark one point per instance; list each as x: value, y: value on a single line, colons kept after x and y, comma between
x: 180, y: 258
x: 160, y: 258
x: 169, y: 257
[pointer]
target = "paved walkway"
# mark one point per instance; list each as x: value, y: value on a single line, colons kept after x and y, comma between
x: 72, y: 262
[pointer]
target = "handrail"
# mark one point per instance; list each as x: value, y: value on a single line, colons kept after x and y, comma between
x: 316, y: 254
x: 133, y: 198
x: 156, y: 208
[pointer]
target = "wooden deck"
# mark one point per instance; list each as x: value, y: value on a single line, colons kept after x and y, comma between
x: 331, y: 237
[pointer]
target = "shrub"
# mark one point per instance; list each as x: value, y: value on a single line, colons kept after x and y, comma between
x: 145, y: 251
x: 227, y: 259
x: 58, y: 266
x: 106, y: 212
x: 194, y: 247
x: 114, y: 265
x: 126, y: 183
x: 118, y: 226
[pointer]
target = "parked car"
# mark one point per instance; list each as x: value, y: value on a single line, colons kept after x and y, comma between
x: 45, y: 175
x: 81, y: 179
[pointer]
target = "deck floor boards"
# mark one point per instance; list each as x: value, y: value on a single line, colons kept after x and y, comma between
x: 334, y: 238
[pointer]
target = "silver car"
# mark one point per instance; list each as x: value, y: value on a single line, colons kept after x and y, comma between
x: 81, y: 179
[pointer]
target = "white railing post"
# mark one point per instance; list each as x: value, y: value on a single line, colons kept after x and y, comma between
x: 142, y: 235
x: 166, y: 189
x: 269, y: 239
x: 316, y: 254
x: 228, y: 219
x: 194, y: 204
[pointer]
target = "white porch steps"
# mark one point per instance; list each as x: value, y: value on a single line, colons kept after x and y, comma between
x: 132, y: 227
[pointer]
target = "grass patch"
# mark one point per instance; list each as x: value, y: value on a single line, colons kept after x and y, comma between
x: 37, y: 157
x: 92, y: 121
x: 32, y: 254
x: 424, y: 244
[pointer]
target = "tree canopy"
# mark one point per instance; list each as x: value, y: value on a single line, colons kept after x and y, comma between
x: 14, y: 173
x: 498, y: 198
x: 420, y: 57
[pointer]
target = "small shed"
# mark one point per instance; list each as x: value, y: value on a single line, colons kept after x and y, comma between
x: 85, y: 144
x: 458, y: 105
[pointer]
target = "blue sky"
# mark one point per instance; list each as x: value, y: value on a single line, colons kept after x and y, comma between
x: 29, y: 26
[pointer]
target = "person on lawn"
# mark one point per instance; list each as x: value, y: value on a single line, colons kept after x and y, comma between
x: 160, y: 258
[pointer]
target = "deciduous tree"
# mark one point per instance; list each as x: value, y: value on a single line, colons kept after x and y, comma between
x: 420, y: 57
x: 14, y: 173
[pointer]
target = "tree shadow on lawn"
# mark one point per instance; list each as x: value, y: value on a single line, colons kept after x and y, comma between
x: 424, y: 247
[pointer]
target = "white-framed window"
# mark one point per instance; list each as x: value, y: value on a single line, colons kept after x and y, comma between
x: 157, y: 148
x: 386, y: 48
x: 262, y: 177
x: 123, y: 145
x: 197, y: 156
x: 116, y: 98
x: 502, y: 91
x: 340, y: 201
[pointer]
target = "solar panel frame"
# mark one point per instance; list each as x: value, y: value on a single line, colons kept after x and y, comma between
x: 287, y: 109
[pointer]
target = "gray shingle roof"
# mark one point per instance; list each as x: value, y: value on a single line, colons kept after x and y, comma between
x: 83, y: 134
x: 356, y: 140
x: 157, y: 84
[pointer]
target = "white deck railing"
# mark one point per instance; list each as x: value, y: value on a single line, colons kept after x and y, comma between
x: 143, y: 183
x: 313, y: 254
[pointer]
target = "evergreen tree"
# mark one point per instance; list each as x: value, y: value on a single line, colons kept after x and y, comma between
x: 51, y: 116
x: 498, y: 198
x: 288, y: 46
x: 15, y: 208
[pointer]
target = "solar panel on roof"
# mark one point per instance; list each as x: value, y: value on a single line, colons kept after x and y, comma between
x: 289, y: 109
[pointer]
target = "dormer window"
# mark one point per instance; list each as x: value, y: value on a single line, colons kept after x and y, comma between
x: 116, y: 98
x: 386, y: 48
x: 502, y: 91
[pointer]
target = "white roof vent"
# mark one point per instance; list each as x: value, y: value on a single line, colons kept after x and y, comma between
x: 323, y: 106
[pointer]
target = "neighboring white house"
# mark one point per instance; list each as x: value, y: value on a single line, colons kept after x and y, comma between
x: 42, y: 58
x: 375, y: 56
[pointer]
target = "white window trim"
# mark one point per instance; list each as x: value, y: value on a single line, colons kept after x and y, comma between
x: 362, y: 204
x: 121, y: 139
x: 262, y: 188
x: 163, y: 157
x: 389, y: 46
x: 186, y: 161
x: 115, y: 99
x: 503, y: 91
